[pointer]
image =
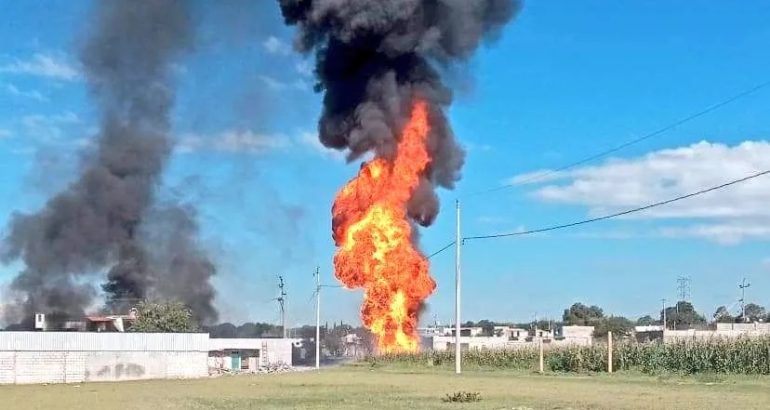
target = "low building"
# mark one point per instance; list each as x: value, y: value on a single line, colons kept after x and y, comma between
x: 575, y: 335
x: 250, y: 354
x: 649, y: 333
x: 752, y: 329
x: 511, y: 338
x: 646, y: 334
x: 442, y: 343
x: 511, y: 333
x: 93, y: 323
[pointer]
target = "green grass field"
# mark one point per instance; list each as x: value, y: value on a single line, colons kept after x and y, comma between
x: 359, y: 387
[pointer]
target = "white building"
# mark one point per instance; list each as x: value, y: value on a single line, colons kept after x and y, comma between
x: 722, y: 331
x: 75, y: 357
x: 510, y: 338
x: 575, y: 335
x: 249, y: 354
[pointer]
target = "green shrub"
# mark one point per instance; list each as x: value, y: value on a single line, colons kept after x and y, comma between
x: 462, y: 397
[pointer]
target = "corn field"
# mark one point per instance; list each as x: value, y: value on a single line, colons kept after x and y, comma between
x: 738, y: 356
x: 520, y: 359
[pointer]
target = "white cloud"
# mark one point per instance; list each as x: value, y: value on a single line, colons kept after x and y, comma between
x: 491, y: 220
x: 179, y: 69
x: 727, y: 233
x: 32, y: 94
x: 311, y: 141
x: 278, y: 85
x: 48, y: 127
x: 43, y: 65
x: 731, y: 215
x: 275, y: 45
x: 23, y: 151
x: 233, y: 142
x: 534, y: 177
x: 304, y: 68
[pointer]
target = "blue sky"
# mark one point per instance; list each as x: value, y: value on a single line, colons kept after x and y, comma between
x: 564, y: 81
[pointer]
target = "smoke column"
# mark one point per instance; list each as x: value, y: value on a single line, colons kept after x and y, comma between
x: 373, y: 57
x: 378, y: 64
x: 96, y: 224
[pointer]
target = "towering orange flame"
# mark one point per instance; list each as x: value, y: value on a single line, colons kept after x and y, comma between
x: 374, y: 239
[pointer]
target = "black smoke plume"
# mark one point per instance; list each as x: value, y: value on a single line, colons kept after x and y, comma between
x: 374, y: 57
x: 96, y: 224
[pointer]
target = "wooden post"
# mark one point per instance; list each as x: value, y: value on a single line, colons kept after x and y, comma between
x: 609, y: 352
x: 541, y: 355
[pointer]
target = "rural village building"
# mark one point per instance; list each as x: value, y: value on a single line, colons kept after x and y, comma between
x: 504, y: 337
x: 721, y: 330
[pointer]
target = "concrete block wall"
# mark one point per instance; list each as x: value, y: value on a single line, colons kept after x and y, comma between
x: 76, y: 367
x: 42, y: 357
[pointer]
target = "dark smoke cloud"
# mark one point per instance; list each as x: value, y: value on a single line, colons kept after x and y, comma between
x: 373, y: 57
x: 182, y: 271
x: 95, y: 223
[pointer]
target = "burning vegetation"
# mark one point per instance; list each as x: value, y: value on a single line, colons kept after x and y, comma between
x: 379, y: 66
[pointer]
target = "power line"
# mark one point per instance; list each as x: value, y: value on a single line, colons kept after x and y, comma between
x: 449, y: 245
x: 618, y: 214
x: 602, y: 154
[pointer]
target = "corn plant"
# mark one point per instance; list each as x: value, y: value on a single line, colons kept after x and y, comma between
x: 718, y: 356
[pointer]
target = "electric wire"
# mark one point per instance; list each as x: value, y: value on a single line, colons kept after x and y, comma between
x: 618, y: 214
x: 602, y: 154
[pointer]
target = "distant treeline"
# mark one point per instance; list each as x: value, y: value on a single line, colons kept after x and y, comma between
x: 229, y: 330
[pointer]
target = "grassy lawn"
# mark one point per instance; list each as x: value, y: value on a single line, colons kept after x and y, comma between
x: 392, y: 388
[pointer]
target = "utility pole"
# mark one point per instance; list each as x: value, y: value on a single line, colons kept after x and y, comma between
x: 684, y: 288
x: 282, y: 303
x: 664, y: 313
x: 317, y: 318
x: 684, y: 294
x: 743, y: 287
x: 458, y: 245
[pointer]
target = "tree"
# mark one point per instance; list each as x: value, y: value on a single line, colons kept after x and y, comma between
x: 334, y: 339
x: 173, y: 317
x: 582, y: 315
x: 754, y: 312
x: 646, y: 321
x: 722, y: 315
x: 682, y: 316
x: 618, y: 325
x: 222, y: 330
x: 487, y: 327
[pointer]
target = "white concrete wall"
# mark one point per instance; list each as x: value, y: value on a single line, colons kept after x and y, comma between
x: 440, y: 343
x: 76, y: 367
x: 278, y: 352
x: 43, y: 357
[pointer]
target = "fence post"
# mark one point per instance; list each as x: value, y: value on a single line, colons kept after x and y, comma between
x: 541, y: 355
x: 609, y: 352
